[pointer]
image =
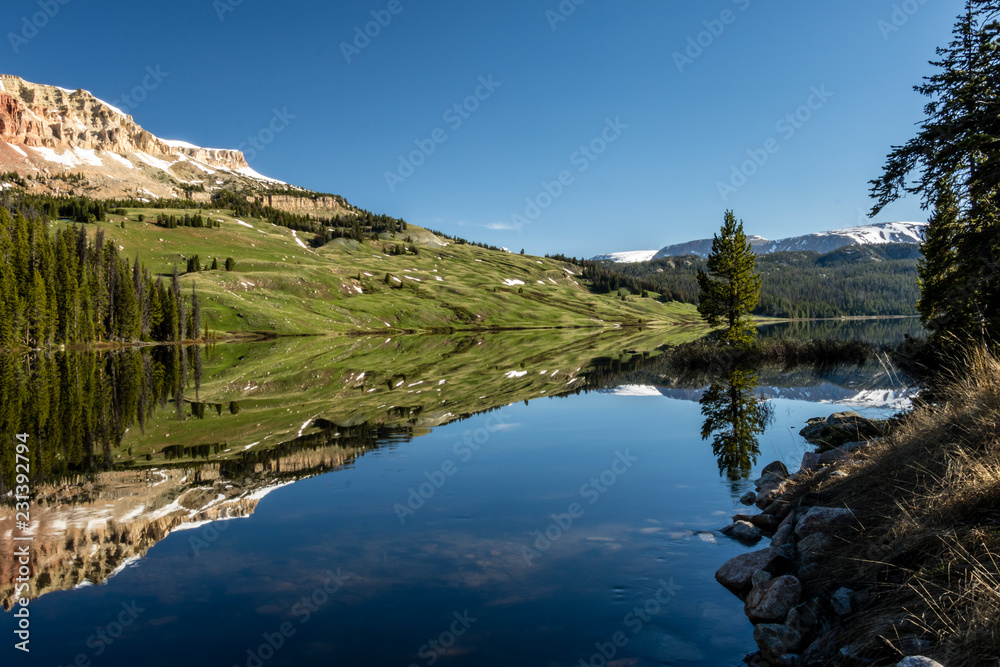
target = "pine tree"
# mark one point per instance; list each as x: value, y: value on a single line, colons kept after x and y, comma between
x: 169, y: 328
x: 730, y: 290
x: 37, y: 312
x: 956, y: 153
x: 195, y: 313
x: 936, y: 270
x: 127, y: 316
x: 156, y: 311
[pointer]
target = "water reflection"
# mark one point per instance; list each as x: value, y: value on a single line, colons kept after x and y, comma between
x: 128, y: 446
x: 885, y: 331
x: 734, y: 416
x: 194, y: 449
x: 78, y: 407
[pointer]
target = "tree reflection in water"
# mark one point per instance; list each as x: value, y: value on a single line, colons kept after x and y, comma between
x: 734, y: 417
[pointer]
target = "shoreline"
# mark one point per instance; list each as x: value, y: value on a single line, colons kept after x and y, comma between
x: 253, y: 336
x: 869, y: 563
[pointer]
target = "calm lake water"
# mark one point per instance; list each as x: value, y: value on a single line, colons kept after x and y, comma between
x: 423, y: 501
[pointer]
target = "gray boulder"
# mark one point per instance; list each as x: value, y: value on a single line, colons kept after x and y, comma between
x: 769, y: 492
x: 806, y: 618
x: 743, y: 531
x: 811, y: 461
x: 918, y: 661
x: 775, y: 468
x: 841, y: 601
x: 832, y: 456
x: 736, y: 574
x: 749, y: 498
x: 841, y: 428
x: 814, y: 548
x: 776, y: 640
x: 785, y: 534
x: 771, y: 602
x: 823, y: 520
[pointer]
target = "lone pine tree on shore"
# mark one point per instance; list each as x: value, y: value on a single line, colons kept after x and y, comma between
x: 730, y: 289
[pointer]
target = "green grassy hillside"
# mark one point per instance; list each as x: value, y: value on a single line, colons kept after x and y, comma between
x: 284, y: 287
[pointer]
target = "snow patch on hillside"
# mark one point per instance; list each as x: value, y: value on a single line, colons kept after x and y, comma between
x: 152, y: 161
x: 88, y: 157
x: 179, y: 144
x: 67, y: 159
x: 250, y: 173
x: 119, y: 159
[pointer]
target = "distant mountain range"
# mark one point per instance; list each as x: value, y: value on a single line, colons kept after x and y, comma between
x: 821, y: 242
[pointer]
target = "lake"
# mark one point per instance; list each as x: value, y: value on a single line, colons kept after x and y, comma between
x: 542, y: 498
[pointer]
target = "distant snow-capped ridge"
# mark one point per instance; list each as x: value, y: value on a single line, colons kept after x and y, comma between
x: 627, y: 257
x: 876, y: 234
x: 821, y: 242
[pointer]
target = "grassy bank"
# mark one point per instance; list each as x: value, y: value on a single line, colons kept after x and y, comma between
x: 282, y: 285
x: 927, y: 544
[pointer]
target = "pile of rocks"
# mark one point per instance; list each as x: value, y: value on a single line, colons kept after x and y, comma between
x: 788, y: 595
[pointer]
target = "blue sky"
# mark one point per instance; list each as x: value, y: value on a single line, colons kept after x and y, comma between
x: 591, y: 94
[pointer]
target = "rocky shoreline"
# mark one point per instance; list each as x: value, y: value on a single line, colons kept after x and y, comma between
x: 798, y: 608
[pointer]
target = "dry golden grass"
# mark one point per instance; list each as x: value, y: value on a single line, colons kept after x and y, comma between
x: 928, y: 498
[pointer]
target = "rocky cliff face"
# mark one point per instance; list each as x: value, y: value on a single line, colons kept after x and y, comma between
x: 38, y: 116
x: 46, y: 131
x: 316, y: 206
